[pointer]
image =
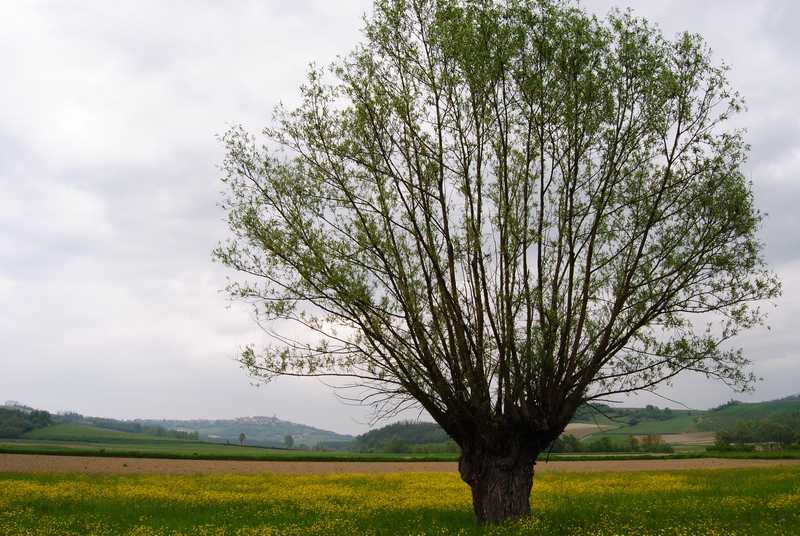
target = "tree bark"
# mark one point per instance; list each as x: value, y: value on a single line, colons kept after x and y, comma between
x: 501, y: 482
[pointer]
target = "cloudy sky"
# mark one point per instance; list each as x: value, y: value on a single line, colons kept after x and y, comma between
x: 109, y: 301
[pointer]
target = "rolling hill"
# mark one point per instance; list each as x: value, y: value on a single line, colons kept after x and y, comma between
x: 723, y: 417
x: 264, y: 431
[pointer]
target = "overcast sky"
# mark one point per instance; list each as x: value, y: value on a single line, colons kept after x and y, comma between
x: 109, y: 301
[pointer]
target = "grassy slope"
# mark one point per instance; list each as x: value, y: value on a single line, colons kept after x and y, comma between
x: 699, y: 422
x: 678, y: 425
x: 70, y: 432
x: 727, y: 417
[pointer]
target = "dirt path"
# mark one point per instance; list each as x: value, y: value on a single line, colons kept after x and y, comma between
x: 80, y: 464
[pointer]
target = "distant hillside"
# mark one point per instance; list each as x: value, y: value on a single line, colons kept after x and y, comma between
x: 264, y: 431
x: 260, y: 431
x: 654, y: 421
x: 724, y: 417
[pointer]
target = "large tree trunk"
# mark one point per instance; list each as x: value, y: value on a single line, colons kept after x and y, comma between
x: 501, y: 481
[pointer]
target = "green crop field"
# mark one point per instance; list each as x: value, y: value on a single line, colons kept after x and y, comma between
x: 678, y: 425
x: 69, y: 432
x: 73, y: 440
x: 763, y: 501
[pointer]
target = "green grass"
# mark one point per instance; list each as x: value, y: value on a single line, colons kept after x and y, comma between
x: 70, y: 432
x: 678, y: 425
x: 761, y: 407
x: 204, y: 451
x: 720, y: 502
x: 70, y: 440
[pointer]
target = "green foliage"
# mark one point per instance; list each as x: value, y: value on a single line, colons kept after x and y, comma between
x: 500, y: 211
x: 596, y: 413
x: 483, y: 194
x: 397, y: 445
x: 730, y: 403
x: 726, y: 416
x: 413, y: 433
x: 776, y: 430
x: 650, y: 412
x: 333, y: 446
x: 17, y: 421
x: 649, y: 444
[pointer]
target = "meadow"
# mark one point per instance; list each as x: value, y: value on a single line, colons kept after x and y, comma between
x: 692, y: 502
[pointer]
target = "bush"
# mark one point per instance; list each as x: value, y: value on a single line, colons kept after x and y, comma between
x: 15, y: 422
x: 397, y: 445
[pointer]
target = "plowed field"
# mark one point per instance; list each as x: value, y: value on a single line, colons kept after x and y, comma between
x: 27, y: 462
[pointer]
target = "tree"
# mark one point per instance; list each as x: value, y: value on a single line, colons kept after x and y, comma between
x: 499, y: 211
x: 288, y: 440
x: 241, y: 438
x: 741, y: 433
x: 397, y: 445
x: 722, y: 439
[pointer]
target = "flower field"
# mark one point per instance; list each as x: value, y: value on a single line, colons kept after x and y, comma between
x: 692, y: 502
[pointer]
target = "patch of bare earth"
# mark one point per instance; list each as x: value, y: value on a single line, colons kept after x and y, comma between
x: 704, y: 438
x: 581, y: 430
x: 79, y: 464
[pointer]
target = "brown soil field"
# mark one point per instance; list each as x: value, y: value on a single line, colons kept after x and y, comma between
x: 80, y: 464
x: 583, y: 429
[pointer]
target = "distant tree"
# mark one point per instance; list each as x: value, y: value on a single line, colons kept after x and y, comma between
x: 288, y: 440
x: 722, y: 439
x: 500, y: 211
x: 241, y: 438
x: 397, y: 445
x: 766, y: 432
x: 566, y: 443
x: 603, y: 444
x: 784, y: 436
x: 741, y: 433
x: 655, y: 443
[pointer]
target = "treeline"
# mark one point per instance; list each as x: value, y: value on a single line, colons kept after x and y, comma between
x: 728, y: 404
x: 587, y: 413
x: 125, y: 426
x: 405, y: 437
x: 778, y: 431
x: 15, y: 422
x: 649, y: 443
x: 649, y: 412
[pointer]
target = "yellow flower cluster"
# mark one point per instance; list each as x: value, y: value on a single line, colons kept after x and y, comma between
x: 600, y: 504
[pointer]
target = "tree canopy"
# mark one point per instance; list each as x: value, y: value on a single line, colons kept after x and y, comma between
x: 499, y: 211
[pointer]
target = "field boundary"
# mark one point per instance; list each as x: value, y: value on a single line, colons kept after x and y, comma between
x: 16, y: 463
